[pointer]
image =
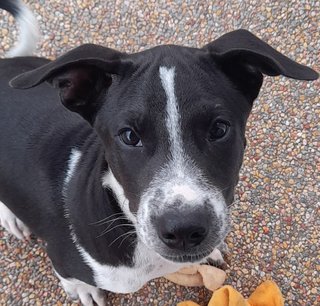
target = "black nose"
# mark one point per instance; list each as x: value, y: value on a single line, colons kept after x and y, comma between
x: 182, y: 231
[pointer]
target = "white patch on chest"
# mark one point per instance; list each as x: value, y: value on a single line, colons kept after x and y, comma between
x: 123, y: 279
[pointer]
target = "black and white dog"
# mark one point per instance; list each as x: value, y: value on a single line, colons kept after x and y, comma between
x: 129, y: 175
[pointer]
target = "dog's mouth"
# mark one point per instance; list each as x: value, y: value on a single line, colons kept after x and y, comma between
x: 192, y: 258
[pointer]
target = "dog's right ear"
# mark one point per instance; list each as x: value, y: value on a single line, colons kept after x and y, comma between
x: 82, y: 76
x: 245, y: 58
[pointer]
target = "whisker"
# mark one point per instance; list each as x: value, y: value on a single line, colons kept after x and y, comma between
x: 133, y: 241
x: 107, y: 218
x: 109, y: 230
x: 134, y: 233
x: 127, y: 234
x: 112, y: 221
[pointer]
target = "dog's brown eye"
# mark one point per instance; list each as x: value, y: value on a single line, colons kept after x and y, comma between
x: 218, y: 130
x: 130, y: 138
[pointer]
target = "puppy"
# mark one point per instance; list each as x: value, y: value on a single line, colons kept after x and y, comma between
x: 125, y: 164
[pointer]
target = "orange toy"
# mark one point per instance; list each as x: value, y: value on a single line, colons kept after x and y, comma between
x: 267, y: 294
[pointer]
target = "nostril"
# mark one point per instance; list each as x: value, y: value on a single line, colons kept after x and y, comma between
x: 183, y: 236
x: 198, y: 234
x: 169, y: 236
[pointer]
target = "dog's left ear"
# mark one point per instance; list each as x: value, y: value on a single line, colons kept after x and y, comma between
x: 244, y: 58
x: 82, y: 75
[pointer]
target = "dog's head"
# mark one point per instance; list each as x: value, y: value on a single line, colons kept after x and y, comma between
x: 172, y: 120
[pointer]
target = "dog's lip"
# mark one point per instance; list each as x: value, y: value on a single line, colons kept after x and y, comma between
x: 187, y: 257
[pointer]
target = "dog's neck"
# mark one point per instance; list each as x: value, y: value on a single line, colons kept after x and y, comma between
x: 98, y: 224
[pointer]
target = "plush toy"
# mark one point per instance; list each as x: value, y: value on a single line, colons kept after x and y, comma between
x: 199, y: 275
x: 267, y: 294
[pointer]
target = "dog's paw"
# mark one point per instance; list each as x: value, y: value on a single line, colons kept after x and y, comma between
x: 87, y: 294
x: 13, y: 224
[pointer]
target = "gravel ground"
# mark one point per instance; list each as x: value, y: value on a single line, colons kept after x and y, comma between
x: 276, y: 214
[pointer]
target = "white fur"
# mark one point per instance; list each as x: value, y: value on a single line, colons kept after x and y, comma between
x: 216, y: 256
x: 109, y: 181
x: 74, y: 158
x: 12, y: 223
x: 29, y: 33
x: 87, y: 294
x: 188, y: 193
x: 147, y: 265
x: 173, y: 117
x: 178, y: 164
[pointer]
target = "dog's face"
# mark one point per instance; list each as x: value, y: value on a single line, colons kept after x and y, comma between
x: 172, y: 121
x: 174, y: 136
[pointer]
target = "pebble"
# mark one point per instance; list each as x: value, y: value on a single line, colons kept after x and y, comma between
x: 275, y: 231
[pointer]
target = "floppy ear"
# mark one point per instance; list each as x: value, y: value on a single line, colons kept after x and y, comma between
x: 82, y: 76
x: 244, y: 58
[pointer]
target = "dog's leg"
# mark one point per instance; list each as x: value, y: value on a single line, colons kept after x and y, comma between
x: 12, y: 223
x: 87, y: 294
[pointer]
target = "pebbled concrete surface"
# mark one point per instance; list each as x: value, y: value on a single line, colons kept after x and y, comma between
x: 276, y: 214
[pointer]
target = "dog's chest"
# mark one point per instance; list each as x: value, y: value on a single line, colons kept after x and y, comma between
x: 123, y: 279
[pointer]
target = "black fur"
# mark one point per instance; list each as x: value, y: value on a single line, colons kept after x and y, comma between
x: 11, y: 6
x: 112, y: 91
x: 36, y: 137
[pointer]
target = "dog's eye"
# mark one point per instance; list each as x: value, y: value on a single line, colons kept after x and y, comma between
x: 130, y: 138
x: 218, y: 130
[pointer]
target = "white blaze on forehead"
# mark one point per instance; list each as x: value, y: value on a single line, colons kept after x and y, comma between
x: 167, y: 76
x: 179, y: 164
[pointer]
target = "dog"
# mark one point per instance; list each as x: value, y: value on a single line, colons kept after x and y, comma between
x: 126, y: 164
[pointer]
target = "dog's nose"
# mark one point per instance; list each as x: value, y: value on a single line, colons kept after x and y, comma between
x: 182, y: 231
